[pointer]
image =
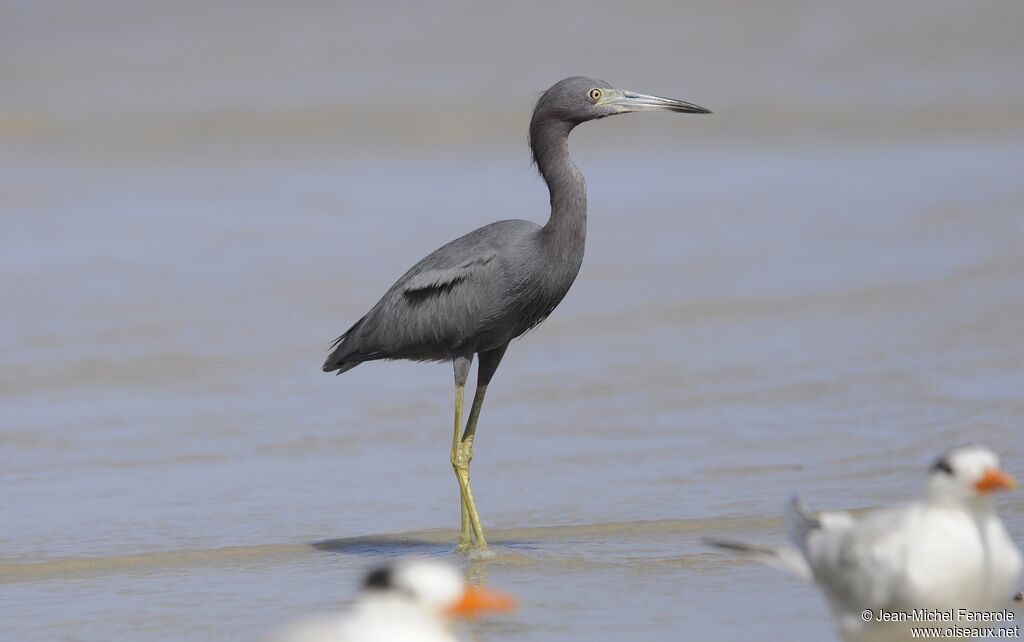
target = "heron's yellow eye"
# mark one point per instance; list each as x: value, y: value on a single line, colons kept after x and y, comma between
x: 595, y: 94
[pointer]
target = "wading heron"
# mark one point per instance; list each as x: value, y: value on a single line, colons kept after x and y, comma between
x: 480, y: 291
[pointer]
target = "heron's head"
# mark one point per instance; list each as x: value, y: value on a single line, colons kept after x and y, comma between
x: 967, y: 473
x: 578, y: 99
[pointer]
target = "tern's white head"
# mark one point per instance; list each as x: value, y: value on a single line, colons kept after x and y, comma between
x: 434, y: 587
x: 967, y: 474
x: 408, y: 601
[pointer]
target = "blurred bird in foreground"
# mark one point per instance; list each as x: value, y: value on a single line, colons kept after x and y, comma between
x: 409, y: 601
x: 948, y: 550
x: 480, y: 291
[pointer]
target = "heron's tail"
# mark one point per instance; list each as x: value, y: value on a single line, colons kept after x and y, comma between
x: 344, y: 351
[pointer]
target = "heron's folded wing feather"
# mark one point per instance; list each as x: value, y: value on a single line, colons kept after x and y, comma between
x: 445, y: 277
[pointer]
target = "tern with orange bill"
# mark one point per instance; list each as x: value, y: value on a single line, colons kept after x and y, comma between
x: 942, y: 553
x: 408, y: 601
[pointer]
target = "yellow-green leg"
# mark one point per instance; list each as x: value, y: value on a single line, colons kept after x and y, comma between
x: 467, y: 450
x: 462, y: 455
x: 465, y: 541
x: 472, y: 533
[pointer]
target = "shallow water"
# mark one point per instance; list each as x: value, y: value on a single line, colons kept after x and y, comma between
x: 816, y: 290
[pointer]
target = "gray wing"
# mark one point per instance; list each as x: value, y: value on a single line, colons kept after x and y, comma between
x: 442, y: 303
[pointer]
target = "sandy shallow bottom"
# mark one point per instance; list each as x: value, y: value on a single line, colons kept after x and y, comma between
x: 815, y: 291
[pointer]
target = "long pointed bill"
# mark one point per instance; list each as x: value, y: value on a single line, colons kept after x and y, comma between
x: 477, y: 600
x: 627, y: 101
x: 995, y: 479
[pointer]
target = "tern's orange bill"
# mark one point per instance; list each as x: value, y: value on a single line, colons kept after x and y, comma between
x: 478, y: 599
x: 995, y: 479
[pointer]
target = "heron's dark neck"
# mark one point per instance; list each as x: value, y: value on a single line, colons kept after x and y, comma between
x: 567, y: 227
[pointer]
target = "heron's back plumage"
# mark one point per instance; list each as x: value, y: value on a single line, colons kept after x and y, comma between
x: 474, y: 294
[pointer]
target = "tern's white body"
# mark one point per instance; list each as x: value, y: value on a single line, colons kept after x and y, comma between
x: 389, y: 619
x: 375, y: 618
x: 948, y: 550
x: 922, y: 556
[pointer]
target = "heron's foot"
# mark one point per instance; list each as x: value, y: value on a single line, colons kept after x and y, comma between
x: 470, y: 549
x: 474, y: 551
x: 480, y: 554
